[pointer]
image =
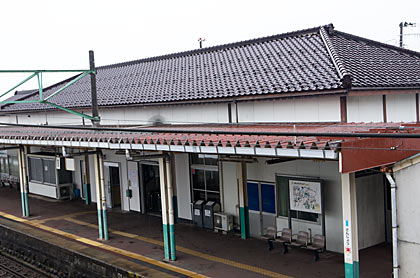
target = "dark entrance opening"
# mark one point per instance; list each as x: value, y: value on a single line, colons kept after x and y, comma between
x: 114, y: 182
x: 151, y: 183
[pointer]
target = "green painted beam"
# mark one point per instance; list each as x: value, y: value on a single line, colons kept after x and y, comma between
x: 71, y: 111
x: 35, y: 71
x: 66, y: 86
x: 24, y: 81
x: 20, y: 101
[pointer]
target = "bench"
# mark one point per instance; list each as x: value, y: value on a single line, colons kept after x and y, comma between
x: 318, y: 245
x: 302, y: 240
x: 285, y: 238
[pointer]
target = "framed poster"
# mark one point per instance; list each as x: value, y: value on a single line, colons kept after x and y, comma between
x: 305, y: 196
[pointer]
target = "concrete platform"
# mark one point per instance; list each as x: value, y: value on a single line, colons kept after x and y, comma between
x: 137, y: 238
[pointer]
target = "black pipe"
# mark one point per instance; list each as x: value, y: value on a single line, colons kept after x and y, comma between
x: 230, y: 132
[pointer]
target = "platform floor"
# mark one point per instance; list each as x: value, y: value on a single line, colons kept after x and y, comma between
x: 138, y: 238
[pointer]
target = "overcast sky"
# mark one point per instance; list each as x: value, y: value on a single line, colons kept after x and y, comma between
x: 55, y: 34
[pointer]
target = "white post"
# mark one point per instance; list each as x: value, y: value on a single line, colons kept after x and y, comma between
x: 351, y: 246
x: 103, y: 196
x: 22, y: 177
x: 171, y: 211
x: 98, y: 195
x: 163, y: 199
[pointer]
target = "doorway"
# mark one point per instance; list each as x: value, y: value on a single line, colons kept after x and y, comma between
x: 113, y: 184
x: 151, y: 187
x: 262, y: 207
x: 133, y: 187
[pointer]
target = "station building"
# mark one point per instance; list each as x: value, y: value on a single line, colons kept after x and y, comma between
x: 252, y: 126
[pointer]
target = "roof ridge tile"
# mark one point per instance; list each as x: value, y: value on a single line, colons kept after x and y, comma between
x: 345, y: 76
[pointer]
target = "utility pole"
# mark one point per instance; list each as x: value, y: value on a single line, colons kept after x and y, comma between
x: 402, y: 25
x: 201, y: 40
x: 95, y: 114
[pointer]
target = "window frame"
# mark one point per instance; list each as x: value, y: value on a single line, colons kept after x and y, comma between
x: 205, y: 168
x: 43, y: 176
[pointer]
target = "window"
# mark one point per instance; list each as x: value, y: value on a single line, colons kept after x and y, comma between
x: 14, y: 166
x: 283, y: 203
x: 205, y: 177
x: 42, y: 170
x: 4, y: 166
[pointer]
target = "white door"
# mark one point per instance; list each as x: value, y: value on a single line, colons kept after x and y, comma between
x: 133, y: 186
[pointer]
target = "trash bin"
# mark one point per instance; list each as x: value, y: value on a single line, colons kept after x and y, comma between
x: 198, y: 213
x: 208, y: 217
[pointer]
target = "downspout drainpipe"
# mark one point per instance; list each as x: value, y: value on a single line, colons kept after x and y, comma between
x: 103, y: 196
x: 394, y: 225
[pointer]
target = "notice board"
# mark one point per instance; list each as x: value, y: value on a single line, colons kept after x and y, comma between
x: 305, y: 196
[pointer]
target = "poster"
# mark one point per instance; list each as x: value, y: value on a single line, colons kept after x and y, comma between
x: 305, y: 196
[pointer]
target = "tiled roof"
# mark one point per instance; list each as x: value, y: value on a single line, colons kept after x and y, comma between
x: 312, y: 60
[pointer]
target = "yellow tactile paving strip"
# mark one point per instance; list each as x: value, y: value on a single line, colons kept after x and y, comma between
x: 105, y: 247
x: 69, y: 217
x: 189, y: 251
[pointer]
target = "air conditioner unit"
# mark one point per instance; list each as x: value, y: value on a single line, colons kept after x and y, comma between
x: 223, y: 222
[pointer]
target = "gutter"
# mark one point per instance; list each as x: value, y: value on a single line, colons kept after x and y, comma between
x: 395, y: 265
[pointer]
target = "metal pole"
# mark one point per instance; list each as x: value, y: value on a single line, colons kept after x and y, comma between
x: 103, y: 196
x: 394, y: 225
x: 401, y: 34
x: 95, y: 113
x: 170, y: 209
x: 98, y: 195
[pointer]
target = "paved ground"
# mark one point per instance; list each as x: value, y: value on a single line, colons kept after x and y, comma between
x: 138, y: 238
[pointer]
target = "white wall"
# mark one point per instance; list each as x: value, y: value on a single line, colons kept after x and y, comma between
x: 193, y: 113
x: 370, y: 210
x: 308, y: 109
x: 230, y: 190
x: 408, y: 208
x: 364, y: 109
x: 325, y: 170
x: 182, y: 174
x: 401, y: 108
x: 110, y: 156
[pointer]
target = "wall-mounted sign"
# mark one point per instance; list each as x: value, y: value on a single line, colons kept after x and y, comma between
x: 57, y: 163
x: 347, y: 242
x: 70, y: 164
x: 305, y: 196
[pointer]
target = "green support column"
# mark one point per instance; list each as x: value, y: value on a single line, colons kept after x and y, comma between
x: 98, y: 195
x: 351, y: 246
x: 87, y: 193
x: 163, y: 199
x: 243, y: 199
